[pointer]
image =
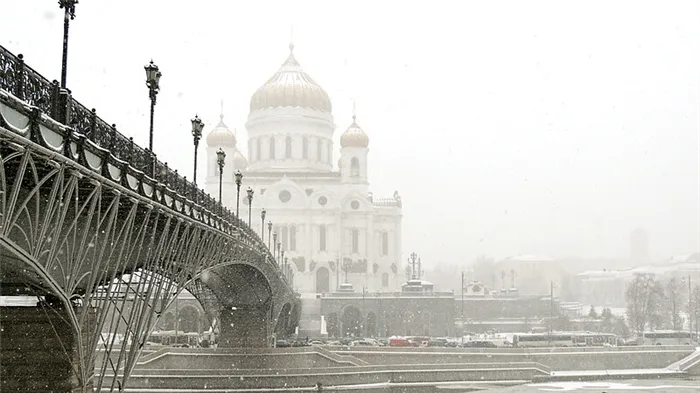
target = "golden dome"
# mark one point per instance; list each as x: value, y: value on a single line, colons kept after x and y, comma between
x: 221, y: 135
x: 354, y: 136
x: 290, y: 86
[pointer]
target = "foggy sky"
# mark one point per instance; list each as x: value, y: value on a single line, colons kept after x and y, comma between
x: 550, y: 128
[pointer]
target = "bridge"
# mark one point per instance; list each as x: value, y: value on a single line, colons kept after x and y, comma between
x: 105, y: 236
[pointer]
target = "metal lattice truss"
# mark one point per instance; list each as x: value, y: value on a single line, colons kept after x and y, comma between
x: 102, y: 244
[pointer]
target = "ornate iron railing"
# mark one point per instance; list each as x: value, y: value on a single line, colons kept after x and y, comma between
x: 87, y: 131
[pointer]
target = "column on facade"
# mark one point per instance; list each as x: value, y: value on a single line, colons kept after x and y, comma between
x: 310, y: 249
x: 398, y: 258
x: 369, y: 244
x: 338, y: 246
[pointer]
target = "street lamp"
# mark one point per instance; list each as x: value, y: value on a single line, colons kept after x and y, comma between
x: 274, y: 242
x: 220, y: 159
x: 269, y: 233
x: 250, y: 205
x: 412, y: 262
x: 262, y: 227
x: 153, y: 82
x: 239, y: 179
x: 69, y: 15
x: 197, y: 127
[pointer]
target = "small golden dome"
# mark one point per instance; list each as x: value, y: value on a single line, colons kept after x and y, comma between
x: 354, y: 136
x: 290, y: 86
x: 221, y: 135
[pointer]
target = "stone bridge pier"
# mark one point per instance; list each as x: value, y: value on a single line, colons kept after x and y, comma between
x: 251, y: 307
x: 40, y: 350
x: 245, y: 326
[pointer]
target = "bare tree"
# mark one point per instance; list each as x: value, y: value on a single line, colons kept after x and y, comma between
x: 644, y: 301
x: 592, y: 313
x: 695, y: 308
x: 659, y: 314
x: 674, y: 303
x: 620, y: 328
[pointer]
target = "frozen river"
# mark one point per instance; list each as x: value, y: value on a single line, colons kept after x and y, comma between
x: 639, y: 385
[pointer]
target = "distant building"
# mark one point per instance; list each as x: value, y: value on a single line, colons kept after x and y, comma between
x: 607, y: 287
x: 324, y: 216
x: 416, y: 310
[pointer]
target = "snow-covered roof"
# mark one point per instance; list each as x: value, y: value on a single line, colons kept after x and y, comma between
x: 418, y: 282
x: 683, y: 264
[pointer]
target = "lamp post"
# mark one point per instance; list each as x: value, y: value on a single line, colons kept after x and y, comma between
x: 262, y: 227
x: 197, y: 127
x: 274, y: 242
x: 249, y: 191
x: 279, y: 248
x: 239, y: 179
x: 221, y: 160
x: 284, y: 261
x: 69, y: 15
x: 412, y: 261
x: 153, y: 82
x: 269, y: 233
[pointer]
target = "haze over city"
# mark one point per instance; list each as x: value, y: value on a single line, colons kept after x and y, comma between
x: 507, y: 127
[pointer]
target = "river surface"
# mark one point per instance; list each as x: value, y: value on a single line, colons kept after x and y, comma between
x: 634, y: 385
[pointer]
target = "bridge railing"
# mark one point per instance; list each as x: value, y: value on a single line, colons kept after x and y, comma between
x: 89, y: 132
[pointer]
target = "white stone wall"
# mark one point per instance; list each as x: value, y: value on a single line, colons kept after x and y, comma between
x: 347, y: 205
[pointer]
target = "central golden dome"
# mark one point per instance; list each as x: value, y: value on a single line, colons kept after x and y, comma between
x: 290, y: 86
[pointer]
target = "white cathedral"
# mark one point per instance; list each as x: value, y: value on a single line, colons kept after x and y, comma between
x: 329, y: 224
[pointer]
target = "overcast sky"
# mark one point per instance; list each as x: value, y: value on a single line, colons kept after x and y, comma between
x: 549, y: 128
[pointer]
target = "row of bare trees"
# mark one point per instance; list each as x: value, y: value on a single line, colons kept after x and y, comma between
x: 654, y: 304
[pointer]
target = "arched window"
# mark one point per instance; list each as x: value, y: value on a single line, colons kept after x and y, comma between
x: 288, y: 147
x: 354, y: 167
x: 285, y: 234
x: 385, y: 243
x: 305, y: 148
x: 385, y: 280
x: 258, y: 149
x: 272, y: 147
x: 322, y: 237
x: 355, y: 241
x: 292, y: 238
x: 318, y: 150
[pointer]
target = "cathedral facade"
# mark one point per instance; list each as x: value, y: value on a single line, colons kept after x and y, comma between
x: 329, y: 225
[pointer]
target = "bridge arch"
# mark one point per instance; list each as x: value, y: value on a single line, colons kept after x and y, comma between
x: 84, y: 211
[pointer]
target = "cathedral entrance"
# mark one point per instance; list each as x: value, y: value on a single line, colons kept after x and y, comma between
x: 323, y: 283
x: 351, y: 322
